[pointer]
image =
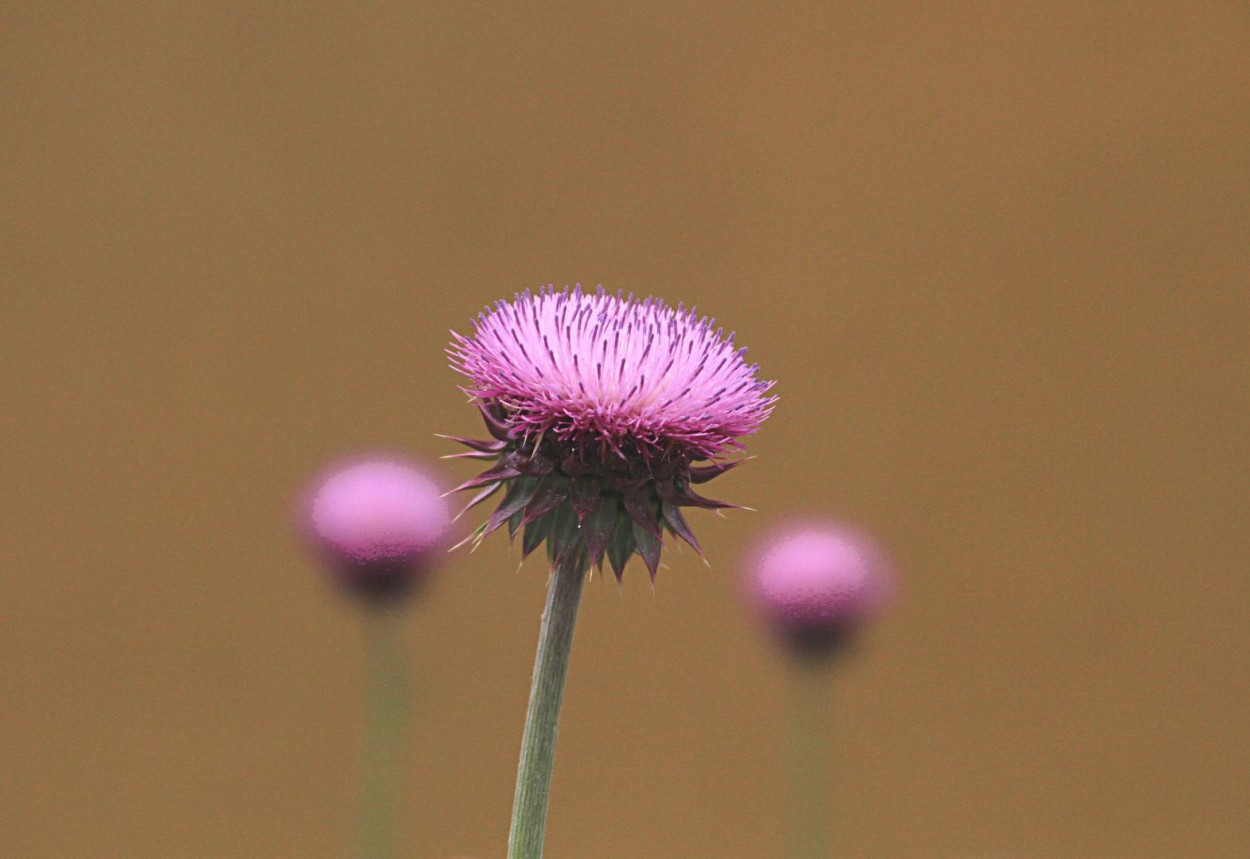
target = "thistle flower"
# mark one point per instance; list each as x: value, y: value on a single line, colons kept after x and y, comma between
x: 815, y: 582
x: 600, y: 408
x: 378, y: 523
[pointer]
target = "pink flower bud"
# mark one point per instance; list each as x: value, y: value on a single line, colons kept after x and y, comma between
x: 379, y: 523
x: 814, y: 583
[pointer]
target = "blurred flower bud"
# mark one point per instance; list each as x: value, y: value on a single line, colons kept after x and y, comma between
x: 379, y: 524
x: 814, y: 583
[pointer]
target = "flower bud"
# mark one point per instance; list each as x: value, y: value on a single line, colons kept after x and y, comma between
x: 379, y: 524
x: 814, y: 583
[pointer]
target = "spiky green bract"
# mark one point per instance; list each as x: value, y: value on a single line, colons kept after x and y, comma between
x: 612, y: 505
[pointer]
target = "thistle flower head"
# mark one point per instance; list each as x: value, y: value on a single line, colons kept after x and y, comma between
x: 814, y: 583
x: 378, y: 523
x: 599, y: 407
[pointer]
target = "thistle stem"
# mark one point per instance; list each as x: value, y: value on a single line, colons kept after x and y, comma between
x: 808, y: 764
x: 542, y: 718
x: 388, y: 704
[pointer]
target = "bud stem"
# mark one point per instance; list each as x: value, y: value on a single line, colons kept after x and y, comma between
x: 387, y: 689
x: 808, y: 764
x: 538, y: 744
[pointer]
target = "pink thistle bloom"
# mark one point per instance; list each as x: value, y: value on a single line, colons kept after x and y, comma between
x: 379, y: 523
x: 599, y: 406
x: 815, y: 582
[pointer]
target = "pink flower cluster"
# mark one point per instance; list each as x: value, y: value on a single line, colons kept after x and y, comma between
x: 613, y: 369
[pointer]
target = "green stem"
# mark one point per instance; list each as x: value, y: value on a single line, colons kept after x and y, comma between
x: 542, y: 718
x: 808, y: 765
x: 388, y: 693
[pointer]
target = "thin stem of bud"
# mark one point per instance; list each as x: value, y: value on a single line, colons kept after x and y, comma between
x: 808, y: 805
x: 389, y: 699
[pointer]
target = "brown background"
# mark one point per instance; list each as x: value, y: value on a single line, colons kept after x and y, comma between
x: 997, y: 255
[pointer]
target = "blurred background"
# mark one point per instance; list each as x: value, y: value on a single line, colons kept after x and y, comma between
x: 996, y: 255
